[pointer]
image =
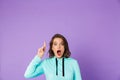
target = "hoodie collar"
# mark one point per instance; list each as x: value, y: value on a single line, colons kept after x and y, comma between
x: 60, y: 60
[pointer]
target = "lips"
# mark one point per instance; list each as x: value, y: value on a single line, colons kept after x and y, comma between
x: 59, y: 52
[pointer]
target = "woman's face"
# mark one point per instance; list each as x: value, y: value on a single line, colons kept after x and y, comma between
x: 58, y: 47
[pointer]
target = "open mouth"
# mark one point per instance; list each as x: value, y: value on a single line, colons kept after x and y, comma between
x: 59, y: 52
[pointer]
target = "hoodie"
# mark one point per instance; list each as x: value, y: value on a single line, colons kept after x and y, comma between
x: 54, y: 68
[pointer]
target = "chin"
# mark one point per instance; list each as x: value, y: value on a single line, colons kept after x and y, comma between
x: 59, y: 56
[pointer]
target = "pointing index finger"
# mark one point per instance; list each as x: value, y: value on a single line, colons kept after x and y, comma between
x: 44, y: 45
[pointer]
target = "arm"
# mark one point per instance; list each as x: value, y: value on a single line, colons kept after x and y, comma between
x: 35, y: 68
x: 77, y: 75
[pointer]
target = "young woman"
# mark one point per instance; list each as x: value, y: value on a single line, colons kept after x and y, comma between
x: 59, y: 65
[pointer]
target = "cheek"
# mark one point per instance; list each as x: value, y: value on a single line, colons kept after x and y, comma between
x: 53, y: 48
x: 63, y: 47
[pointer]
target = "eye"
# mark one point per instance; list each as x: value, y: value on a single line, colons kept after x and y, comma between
x: 54, y: 44
x: 62, y: 44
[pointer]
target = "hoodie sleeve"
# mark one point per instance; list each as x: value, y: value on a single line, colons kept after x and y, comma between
x: 77, y: 74
x: 35, y: 68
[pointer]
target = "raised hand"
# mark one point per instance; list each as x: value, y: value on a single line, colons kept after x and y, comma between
x: 41, y: 50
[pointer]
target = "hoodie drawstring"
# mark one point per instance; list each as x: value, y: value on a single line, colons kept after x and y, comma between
x: 56, y: 67
x: 62, y: 67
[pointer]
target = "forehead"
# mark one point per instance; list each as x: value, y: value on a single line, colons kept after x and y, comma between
x: 57, y: 40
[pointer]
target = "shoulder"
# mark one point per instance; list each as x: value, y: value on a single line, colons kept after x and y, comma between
x: 71, y: 60
x: 48, y: 60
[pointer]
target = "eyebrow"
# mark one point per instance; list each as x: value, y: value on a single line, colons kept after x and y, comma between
x: 57, y: 42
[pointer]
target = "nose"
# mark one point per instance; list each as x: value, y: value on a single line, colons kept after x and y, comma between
x: 59, y: 46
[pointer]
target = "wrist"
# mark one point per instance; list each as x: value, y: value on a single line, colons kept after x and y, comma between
x: 40, y: 56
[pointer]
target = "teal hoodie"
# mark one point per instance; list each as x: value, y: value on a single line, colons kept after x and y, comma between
x: 54, y: 68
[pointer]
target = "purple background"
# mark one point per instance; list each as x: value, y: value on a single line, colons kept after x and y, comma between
x: 92, y: 28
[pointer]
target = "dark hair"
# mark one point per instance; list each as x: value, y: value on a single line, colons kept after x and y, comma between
x: 66, y: 53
